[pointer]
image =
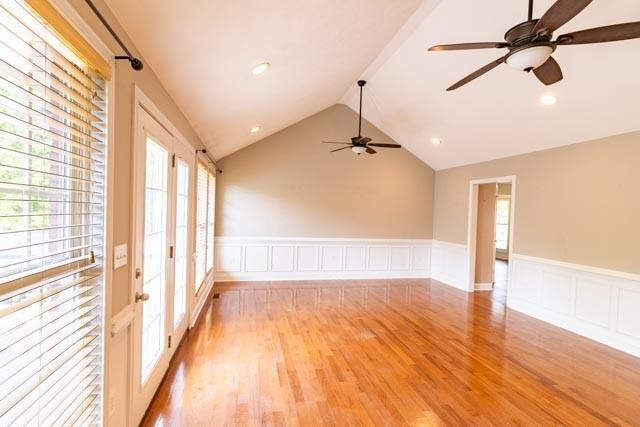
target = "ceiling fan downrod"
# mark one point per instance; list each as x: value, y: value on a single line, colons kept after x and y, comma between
x: 530, y: 16
x: 361, y: 83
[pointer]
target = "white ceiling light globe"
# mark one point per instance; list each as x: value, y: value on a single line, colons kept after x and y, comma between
x: 358, y: 149
x: 529, y: 58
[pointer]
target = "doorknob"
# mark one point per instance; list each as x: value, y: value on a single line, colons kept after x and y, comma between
x: 142, y: 297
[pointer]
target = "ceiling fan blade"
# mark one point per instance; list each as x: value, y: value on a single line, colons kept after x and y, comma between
x: 549, y: 72
x: 378, y: 144
x: 490, y: 66
x: 364, y: 140
x: 610, y: 33
x: 342, y: 148
x: 561, y: 12
x: 335, y: 142
x: 371, y: 150
x: 465, y: 46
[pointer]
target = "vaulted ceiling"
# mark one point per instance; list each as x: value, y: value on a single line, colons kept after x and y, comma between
x: 203, y: 52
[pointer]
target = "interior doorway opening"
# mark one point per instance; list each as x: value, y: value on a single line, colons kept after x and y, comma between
x: 491, y: 215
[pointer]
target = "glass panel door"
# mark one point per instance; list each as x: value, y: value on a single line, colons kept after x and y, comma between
x: 155, y: 242
x: 181, y: 242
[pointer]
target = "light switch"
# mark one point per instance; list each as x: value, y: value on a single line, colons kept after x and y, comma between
x: 119, y: 256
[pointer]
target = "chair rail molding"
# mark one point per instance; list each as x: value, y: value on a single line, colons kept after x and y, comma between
x: 308, y: 258
x: 122, y: 319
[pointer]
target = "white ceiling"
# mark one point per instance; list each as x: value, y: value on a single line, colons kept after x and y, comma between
x: 498, y: 114
x: 203, y: 52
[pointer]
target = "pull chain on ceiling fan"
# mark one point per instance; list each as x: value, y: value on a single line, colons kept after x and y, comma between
x: 530, y: 43
x: 360, y: 144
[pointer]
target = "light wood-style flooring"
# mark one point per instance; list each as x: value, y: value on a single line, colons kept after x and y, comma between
x: 387, y: 352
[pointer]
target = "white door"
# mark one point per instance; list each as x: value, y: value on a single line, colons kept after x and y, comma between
x: 181, y: 235
x: 153, y: 269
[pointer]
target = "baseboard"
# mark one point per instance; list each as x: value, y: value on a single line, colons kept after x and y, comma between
x: 201, y: 299
x: 484, y: 286
x: 603, y: 305
x: 273, y: 258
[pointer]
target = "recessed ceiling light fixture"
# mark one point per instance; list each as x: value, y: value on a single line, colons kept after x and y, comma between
x: 260, y: 68
x: 255, y: 129
x: 548, y: 99
x: 436, y: 141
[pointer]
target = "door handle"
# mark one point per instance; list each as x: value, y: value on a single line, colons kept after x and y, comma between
x: 142, y: 297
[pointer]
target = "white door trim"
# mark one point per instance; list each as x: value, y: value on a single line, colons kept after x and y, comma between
x: 473, y: 219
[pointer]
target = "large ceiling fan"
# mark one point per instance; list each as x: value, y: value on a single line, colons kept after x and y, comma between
x: 531, y: 43
x: 361, y: 144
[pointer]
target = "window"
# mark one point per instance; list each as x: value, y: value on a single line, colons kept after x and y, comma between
x: 503, y: 206
x: 205, y: 222
x: 52, y: 157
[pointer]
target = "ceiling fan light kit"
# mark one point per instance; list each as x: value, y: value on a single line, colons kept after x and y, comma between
x: 531, y: 44
x: 361, y: 144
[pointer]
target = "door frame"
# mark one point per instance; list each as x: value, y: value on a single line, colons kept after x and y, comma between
x: 472, y: 223
x: 142, y: 101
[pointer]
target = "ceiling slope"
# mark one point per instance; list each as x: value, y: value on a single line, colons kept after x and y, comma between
x: 203, y: 52
x: 499, y: 114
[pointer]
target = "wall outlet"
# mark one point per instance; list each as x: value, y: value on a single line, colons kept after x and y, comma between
x: 119, y: 256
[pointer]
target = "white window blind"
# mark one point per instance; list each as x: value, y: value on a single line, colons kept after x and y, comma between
x: 52, y: 120
x: 205, y: 222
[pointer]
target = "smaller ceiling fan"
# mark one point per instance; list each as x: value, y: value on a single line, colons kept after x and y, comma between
x: 530, y: 43
x: 360, y: 144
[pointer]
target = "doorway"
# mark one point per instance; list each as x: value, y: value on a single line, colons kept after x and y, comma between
x: 491, y: 217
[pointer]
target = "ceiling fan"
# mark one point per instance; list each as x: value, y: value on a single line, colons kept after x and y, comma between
x: 530, y: 43
x: 361, y: 144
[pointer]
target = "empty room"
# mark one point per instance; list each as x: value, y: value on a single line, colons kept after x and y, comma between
x: 337, y: 212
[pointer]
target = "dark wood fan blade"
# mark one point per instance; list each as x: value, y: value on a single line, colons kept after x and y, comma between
x: 561, y: 12
x: 335, y: 142
x: 371, y: 150
x: 364, y: 140
x: 379, y: 144
x: 610, y: 33
x: 549, y: 72
x: 490, y: 66
x: 338, y: 149
x: 465, y: 46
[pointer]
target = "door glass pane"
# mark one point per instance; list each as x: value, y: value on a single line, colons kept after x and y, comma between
x: 155, y: 239
x: 182, y: 207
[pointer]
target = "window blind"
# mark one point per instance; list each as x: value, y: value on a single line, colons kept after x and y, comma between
x: 205, y: 222
x: 52, y: 146
x: 201, y: 224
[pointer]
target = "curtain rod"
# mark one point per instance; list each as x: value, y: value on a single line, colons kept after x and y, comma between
x: 204, y: 151
x: 136, y: 64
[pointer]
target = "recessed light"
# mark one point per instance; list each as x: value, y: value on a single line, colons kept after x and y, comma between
x: 436, y: 141
x: 548, y: 99
x: 260, y: 68
x: 255, y: 129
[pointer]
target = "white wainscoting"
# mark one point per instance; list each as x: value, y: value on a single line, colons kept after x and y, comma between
x: 603, y: 305
x: 449, y: 264
x: 320, y: 258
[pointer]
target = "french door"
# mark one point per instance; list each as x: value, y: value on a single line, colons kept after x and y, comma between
x: 162, y: 233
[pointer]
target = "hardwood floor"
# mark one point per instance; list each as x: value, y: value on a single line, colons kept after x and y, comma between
x: 388, y: 352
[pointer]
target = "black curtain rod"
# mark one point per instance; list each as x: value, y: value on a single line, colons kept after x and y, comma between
x: 136, y: 64
x: 210, y: 160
